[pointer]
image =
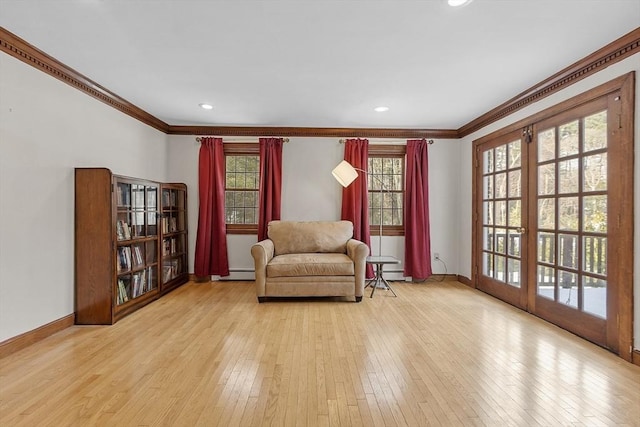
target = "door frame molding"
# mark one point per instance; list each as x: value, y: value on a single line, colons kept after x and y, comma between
x: 625, y: 84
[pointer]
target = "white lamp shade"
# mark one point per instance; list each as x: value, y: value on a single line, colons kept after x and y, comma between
x: 344, y: 173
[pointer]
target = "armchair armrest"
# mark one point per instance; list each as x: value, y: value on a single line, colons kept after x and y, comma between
x: 262, y: 252
x: 358, y: 252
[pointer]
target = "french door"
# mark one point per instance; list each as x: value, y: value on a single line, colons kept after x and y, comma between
x: 504, y: 207
x: 552, y: 222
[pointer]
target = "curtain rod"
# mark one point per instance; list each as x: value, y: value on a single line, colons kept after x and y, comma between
x: 429, y: 141
x: 199, y: 139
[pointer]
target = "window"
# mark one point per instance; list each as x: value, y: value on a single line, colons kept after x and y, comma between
x: 242, y: 184
x: 386, y: 188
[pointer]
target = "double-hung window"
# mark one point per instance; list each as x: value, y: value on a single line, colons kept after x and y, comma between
x: 242, y: 185
x: 386, y: 178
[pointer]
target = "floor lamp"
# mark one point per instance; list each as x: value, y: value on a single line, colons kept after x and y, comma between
x: 345, y: 174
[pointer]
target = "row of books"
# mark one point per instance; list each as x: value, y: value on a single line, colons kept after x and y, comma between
x: 169, y: 224
x: 128, y: 258
x: 137, y: 284
x: 171, y: 269
x: 170, y: 246
x: 169, y: 198
x: 123, y: 231
x: 123, y: 195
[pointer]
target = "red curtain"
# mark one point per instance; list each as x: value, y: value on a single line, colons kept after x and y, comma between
x: 355, y: 197
x: 270, y: 183
x: 211, y: 241
x: 417, y: 240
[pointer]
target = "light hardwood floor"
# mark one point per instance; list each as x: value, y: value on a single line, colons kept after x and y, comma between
x: 209, y: 354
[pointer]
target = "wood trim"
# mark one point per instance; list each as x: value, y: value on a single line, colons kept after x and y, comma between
x: 465, y: 280
x: 616, y: 51
x: 313, y: 132
x: 591, y: 94
x: 241, y: 148
x: 20, y: 49
x: 21, y: 341
x: 636, y: 357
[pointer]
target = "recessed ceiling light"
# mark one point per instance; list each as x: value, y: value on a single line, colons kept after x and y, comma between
x: 206, y: 106
x: 381, y: 109
x: 456, y: 3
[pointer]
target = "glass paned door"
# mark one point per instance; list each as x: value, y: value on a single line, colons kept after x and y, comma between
x: 571, y: 181
x: 503, y: 188
x: 553, y: 230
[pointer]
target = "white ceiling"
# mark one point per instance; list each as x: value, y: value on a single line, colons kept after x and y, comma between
x: 318, y: 63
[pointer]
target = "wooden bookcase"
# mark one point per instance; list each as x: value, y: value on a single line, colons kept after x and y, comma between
x: 117, y: 245
x: 174, y: 269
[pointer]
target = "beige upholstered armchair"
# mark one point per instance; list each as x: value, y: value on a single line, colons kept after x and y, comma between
x: 316, y: 258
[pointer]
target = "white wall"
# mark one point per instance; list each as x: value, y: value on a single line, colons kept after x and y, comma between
x: 47, y: 128
x: 309, y: 192
x: 465, y: 166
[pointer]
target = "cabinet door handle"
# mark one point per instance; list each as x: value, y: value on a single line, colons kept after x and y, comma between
x: 521, y: 230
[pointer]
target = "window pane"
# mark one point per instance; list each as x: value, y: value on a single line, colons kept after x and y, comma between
x: 500, y: 267
x: 501, y: 212
x: 514, y: 243
x: 513, y: 272
x: 594, y: 172
x: 594, y: 258
x: 546, y: 145
x: 547, y: 214
x: 568, y: 288
x: 488, y: 213
x: 595, y: 131
x: 547, y: 179
x: 594, y: 294
x: 487, y: 264
x: 488, y: 161
x: 546, y: 282
x: 501, y: 240
x: 488, y: 187
x: 514, y: 183
x: 594, y: 214
x: 569, y: 139
x: 568, y: 214
x: 568, y: 251
x: 501, y: 158
x: 515, y: 154
x: 501, y: 185
x: 514, y: 214
x: 487, y: 238
x: 546, y: 248
x: 568, y: 176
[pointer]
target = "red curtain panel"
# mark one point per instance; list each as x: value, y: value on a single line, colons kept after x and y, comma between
x: 270, y: 183
x: 211, y: 241
x: 355, y: 197
x: 417, y: 239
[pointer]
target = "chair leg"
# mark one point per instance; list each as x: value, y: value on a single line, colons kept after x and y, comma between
x: 358, y: 299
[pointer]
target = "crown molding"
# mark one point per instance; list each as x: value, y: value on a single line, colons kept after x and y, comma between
x: 20, y: 49
x: 313, y: 132
x: 620, y: 49
x: 616, y: 51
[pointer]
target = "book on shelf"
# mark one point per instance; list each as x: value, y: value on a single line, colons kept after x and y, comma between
x: 170, y: 270
x: 124, y: 258
x: 123, y: 230
x: 122, y: 292
x: 137, y: 256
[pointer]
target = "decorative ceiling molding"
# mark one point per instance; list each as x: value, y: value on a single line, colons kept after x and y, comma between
x: 20, y: 49
x: 313, y: 132
x: 616, y: 51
